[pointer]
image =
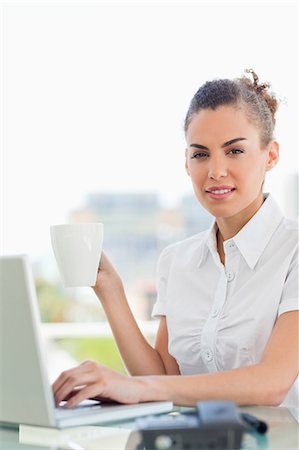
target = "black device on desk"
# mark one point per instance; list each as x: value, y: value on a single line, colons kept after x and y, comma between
x: 214, y: 425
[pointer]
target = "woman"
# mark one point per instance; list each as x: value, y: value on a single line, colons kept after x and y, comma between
x: 227, y: 297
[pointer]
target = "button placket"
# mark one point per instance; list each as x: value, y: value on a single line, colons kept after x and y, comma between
x: 209, y: 330
x: 232, y: 258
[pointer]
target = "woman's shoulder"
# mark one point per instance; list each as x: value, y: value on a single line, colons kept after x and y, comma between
x: 288, y: 232
x: 290, y: 225
x: 189, y: 244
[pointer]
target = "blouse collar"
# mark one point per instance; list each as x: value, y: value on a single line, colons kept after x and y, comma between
x: 252, y: 239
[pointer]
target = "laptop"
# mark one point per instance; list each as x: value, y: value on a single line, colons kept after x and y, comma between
x: 25, y: 393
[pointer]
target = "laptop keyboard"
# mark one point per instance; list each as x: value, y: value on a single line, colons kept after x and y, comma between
x: 82, y: 408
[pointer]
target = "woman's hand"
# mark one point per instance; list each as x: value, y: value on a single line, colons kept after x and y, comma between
x: 90, y: 380
x: 108, y: 279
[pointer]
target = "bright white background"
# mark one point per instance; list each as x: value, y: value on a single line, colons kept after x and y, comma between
x: 94, y: 96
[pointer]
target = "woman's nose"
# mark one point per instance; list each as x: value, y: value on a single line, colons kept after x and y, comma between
x: 217, y: 169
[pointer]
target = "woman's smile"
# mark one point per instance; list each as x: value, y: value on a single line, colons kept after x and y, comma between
x: 220, y: 192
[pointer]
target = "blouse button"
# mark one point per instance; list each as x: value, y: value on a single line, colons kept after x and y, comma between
x: 230, y: 276
x: 215, y: 312
x: 208, y: 354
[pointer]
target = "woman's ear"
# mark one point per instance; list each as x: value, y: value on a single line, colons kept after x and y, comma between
x: 273, y: 155
x: 186, y: 162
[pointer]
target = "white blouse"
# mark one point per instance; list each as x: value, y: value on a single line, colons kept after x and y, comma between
x: 220, y: 317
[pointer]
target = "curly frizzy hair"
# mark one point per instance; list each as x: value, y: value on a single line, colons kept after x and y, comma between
x: 259, y: 104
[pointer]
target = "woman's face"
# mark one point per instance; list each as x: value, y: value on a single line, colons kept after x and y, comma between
x: 226, y: 161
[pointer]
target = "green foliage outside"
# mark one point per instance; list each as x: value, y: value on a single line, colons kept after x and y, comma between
x: 56, y: 307
x: 52, y: 304
x: 102, y: 350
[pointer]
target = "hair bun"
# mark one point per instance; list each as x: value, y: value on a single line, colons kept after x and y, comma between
x: 262, y: 90
x: 258, y: 87
x: 254, y: 75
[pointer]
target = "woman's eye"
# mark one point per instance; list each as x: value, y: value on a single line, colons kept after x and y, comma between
x: 199, y: 155
x: 235, y: 151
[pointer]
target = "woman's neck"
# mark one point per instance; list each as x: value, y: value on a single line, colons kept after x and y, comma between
x: 228, y: 227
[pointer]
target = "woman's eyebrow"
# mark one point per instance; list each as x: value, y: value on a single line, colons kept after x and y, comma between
x: 232, y: 141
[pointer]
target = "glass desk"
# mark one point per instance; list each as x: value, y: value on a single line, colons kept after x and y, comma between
x: 283, y: 433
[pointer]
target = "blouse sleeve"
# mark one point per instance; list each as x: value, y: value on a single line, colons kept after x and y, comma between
x: 289, y: 299
x: 163, y: 268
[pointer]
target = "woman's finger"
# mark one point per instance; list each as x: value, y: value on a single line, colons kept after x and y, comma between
x: 66, y: 374
x: 74, y: 380
x: 83, y: 394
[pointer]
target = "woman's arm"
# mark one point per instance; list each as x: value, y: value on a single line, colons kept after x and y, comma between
x: 265, y: 383
x: 161, y: 345
x: 138, y: 355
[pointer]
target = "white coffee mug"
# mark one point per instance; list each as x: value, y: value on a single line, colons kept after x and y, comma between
x: 77, y: 249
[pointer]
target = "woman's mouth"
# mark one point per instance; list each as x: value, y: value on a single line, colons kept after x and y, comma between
x: 220, y: 192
